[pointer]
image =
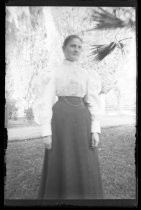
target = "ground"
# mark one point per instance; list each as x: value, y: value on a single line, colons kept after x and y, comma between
x: 116, y: 155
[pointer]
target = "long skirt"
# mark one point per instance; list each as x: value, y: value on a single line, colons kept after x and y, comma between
x: 71, y: 167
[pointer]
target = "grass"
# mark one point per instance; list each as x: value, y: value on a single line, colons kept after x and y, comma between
x: 117, y: 161
x: 117, y: 158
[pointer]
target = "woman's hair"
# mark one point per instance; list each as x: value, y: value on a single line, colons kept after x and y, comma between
x: 69, y: 38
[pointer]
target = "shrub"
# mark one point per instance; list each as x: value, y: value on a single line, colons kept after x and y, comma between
x: 12, y: 110
x: 29, y: 114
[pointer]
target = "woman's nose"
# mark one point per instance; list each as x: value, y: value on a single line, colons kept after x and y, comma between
x: 76, y: 49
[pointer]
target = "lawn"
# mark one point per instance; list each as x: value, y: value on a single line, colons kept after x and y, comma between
x: 117, y: 160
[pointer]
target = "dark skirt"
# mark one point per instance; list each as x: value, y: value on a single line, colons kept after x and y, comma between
x: 71, y: 168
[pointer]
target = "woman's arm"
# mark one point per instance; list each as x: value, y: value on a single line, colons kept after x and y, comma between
x: 94, y: 106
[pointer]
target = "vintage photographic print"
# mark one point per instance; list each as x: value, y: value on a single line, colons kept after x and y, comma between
x: 70, y: 111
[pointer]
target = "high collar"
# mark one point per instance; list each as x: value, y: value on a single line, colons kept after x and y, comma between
x: 70, y: 63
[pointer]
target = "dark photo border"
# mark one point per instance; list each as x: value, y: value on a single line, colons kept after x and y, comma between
x: 76, y: 203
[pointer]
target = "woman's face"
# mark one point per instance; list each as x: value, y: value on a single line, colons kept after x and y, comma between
x: 73, y: 49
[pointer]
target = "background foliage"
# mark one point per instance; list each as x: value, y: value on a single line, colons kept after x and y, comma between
x: 34, y: 37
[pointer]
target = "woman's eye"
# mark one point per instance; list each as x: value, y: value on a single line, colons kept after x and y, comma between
x: 74, y: 46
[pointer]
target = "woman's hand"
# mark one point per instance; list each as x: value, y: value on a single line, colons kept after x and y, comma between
x: 94, y: 140
x: 47, y: 141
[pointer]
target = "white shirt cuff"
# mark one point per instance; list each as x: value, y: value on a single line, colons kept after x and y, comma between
x: 95, y: 126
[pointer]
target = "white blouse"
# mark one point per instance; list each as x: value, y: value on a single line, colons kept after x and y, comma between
x: 68, y: 79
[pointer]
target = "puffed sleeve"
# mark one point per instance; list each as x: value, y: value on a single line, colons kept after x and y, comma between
x: 42, y: 108
x: 93, y: 100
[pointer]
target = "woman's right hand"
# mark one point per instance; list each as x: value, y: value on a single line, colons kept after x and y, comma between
x: 47, y: 141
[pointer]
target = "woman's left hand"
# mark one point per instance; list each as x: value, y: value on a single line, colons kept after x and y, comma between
x: 94, y: 140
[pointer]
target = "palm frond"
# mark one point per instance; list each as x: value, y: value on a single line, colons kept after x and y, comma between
x: 121, y: 46
x: 99, y: 52
x: 107, y: 20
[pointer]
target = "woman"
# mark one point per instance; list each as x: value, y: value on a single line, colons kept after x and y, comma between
x: 70, y: 130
